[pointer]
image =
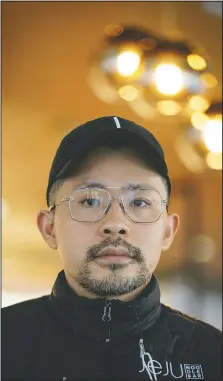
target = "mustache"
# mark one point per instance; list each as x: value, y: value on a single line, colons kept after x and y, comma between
x: 133, y: 251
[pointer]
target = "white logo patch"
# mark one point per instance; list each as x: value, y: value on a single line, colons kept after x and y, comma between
x: 193, y: 372
x: 153, y: 368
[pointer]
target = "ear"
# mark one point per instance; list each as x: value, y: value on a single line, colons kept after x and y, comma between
x: 172, y: 226
x: 45, y: 224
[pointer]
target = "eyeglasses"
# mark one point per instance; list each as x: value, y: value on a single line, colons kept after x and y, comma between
x: 91, y: 204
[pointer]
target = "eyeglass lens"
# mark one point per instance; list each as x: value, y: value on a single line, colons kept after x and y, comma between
x: 141, y: 205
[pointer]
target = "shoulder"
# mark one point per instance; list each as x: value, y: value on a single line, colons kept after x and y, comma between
x: 189, y: 325
x: 19, y: 313
x: 23, y: 328
x: 195, y: 341
x: 25, y: 306
x: 21, y: 324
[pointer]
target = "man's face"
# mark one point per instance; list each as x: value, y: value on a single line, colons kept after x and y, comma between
x: 80, y: 243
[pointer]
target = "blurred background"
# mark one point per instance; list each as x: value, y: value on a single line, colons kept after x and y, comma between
x: 157, y: 63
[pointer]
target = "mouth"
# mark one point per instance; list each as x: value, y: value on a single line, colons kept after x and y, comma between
x: 114, y: 255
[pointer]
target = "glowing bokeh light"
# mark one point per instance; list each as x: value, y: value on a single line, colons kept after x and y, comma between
x: 128, y: 63
x: 198, y: 103
x: 129, y: 93
x: 199, y: 120
x: 212, y: 135
x: 168, y: 107
x: 196, y: 62
x: 169, y: 79
x: 214, y: 160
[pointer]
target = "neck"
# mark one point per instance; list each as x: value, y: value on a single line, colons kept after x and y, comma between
x: 81, y: 291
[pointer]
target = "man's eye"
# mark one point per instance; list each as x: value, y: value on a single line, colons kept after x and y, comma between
x: 141, y: 203
x: 90, y: 202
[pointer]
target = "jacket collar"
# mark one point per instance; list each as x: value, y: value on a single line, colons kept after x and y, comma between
x: 124, y: 319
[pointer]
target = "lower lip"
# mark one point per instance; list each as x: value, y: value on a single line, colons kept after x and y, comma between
x: 114, y: 258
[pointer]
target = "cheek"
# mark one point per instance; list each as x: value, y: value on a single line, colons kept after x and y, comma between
x: 73, y: 239
x: 150, y: 238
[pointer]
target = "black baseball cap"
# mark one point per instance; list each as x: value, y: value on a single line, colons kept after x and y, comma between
x: 110, y: 131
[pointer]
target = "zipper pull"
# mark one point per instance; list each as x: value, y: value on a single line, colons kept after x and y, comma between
x: 107, y: 312
x: 142, y: 349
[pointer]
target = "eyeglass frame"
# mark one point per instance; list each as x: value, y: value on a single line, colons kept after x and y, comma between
x: 111, y: 197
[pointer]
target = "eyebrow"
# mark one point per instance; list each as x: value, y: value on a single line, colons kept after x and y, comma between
x: 134, y: 186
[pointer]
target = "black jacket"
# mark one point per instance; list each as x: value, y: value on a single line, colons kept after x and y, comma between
x: 67, y: 337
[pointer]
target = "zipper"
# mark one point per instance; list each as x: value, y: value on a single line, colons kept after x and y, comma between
x: 107, y: 311
x: 107, y: 318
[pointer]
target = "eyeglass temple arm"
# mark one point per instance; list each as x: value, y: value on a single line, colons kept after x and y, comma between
x: 53, y: 207
x: 165, y: 202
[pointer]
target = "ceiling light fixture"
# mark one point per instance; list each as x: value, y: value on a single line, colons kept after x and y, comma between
x: 164, y: 70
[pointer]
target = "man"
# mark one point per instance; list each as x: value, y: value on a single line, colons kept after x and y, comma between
x: 108, y: 195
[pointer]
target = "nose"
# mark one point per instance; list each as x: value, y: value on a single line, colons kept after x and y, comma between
x: 114, y: 223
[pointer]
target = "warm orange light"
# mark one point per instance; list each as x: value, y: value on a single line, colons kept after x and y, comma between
x: 212, y: 135
x: 168, y: 107
x: 198, y: 103
x: 114, y: 30
x: 208, y: 80
x: 214, y: 160
x: 196, y: 62
x: 127, y: 63
x: 169, y: 79
x: 129, y: 93
x: 198, y: 120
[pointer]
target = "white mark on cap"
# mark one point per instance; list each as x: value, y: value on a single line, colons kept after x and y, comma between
x: 118, y: 125
x: 63, y: 168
